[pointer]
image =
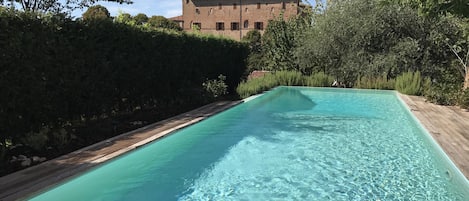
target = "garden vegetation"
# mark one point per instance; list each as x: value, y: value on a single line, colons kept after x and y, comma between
x: 415, y: 47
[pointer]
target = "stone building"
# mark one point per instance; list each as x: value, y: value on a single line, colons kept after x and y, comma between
x: 233, y: 18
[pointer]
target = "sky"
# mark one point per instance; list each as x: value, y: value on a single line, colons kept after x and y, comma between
x: 166, y: 8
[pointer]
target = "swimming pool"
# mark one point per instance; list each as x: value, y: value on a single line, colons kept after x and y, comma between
x: 292, y: 143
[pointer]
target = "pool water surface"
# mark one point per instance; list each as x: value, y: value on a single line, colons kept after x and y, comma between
x: 292, y: 143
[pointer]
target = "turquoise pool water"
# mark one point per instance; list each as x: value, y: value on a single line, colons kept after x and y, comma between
x: 292, y: 143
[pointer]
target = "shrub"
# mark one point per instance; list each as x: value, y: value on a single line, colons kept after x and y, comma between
x: 368, y: 82
x: 288, y: 78
x: 319, y: 80
x: 464, y: 99
x: 281, y: 78
x: 216, y: 88
x: 443, y: 93
x: 36, y: 140
x: 409, y: 83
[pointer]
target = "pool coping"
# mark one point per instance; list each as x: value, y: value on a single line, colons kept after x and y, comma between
x: 25, y: 183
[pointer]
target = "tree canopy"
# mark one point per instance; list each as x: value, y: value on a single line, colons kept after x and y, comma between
x: 436, y: 7
x: 162, y: 22
x: 140, y: 19
x: 96, y: 12
x: 57, y: 6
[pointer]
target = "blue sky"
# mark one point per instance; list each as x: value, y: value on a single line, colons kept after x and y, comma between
x: 167, y: 8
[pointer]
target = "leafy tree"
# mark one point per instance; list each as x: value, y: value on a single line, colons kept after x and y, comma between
x: 57, y: 6
x: 96, y: 12
x: 359, y: 38
x: 125, y: 18
x: 162, y: 22
x: 255, y: 60
x: 437, y: 7
x: 280, y: 39
x: 141, y: 18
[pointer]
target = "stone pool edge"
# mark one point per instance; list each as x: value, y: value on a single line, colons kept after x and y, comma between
x: 25, y: 183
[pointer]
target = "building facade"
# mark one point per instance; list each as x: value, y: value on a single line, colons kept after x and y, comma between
x: 234, y: 18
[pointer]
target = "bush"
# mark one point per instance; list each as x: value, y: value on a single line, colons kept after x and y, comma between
x: 410, y: 83
x: 216, y: 88
x: 367, y: 82
x: 319, y: 80
x: 282, y: 78
x: 288, y: 78
x: 36, y: 140
x: 464, y: 99
x: 443, y: 93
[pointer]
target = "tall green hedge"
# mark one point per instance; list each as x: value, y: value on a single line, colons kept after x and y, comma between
x: 54, y: 70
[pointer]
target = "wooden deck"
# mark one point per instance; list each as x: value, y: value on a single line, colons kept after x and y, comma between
x: 448, y: 125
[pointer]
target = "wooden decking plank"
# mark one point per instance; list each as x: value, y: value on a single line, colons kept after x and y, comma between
x: 448, y: 125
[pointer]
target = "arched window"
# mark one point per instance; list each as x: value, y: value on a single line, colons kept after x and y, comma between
x: 246, y: 24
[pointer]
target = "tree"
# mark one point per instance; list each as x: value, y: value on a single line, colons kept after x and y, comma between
x: 162, y: 22
x: 125, y: 18
x: 57, y: 6
x: 362, y: 38
x: 436, y: 7
x: 254, y: 40
x: 97, y: 12
x: 141, y: 18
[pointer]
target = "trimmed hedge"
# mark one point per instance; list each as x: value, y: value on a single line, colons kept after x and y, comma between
x: 55, y: 71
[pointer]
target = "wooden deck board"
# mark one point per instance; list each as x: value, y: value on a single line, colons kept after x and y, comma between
x: 448, y: 125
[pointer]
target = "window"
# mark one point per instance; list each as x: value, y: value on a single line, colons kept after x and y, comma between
x: 219, y: 6
x: 220, y: 26
x: 197, y: 25
x: 187, y: 1
x: 197, y: 10
x: 259, y: 25
x: 211, y: 11
x: 246, y: 24
x: 283, y: 5
x: 258, y: 5
x: 235, y: 26
x: 234, y: 6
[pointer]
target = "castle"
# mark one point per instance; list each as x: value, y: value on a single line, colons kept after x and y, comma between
x: 233, y: 18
